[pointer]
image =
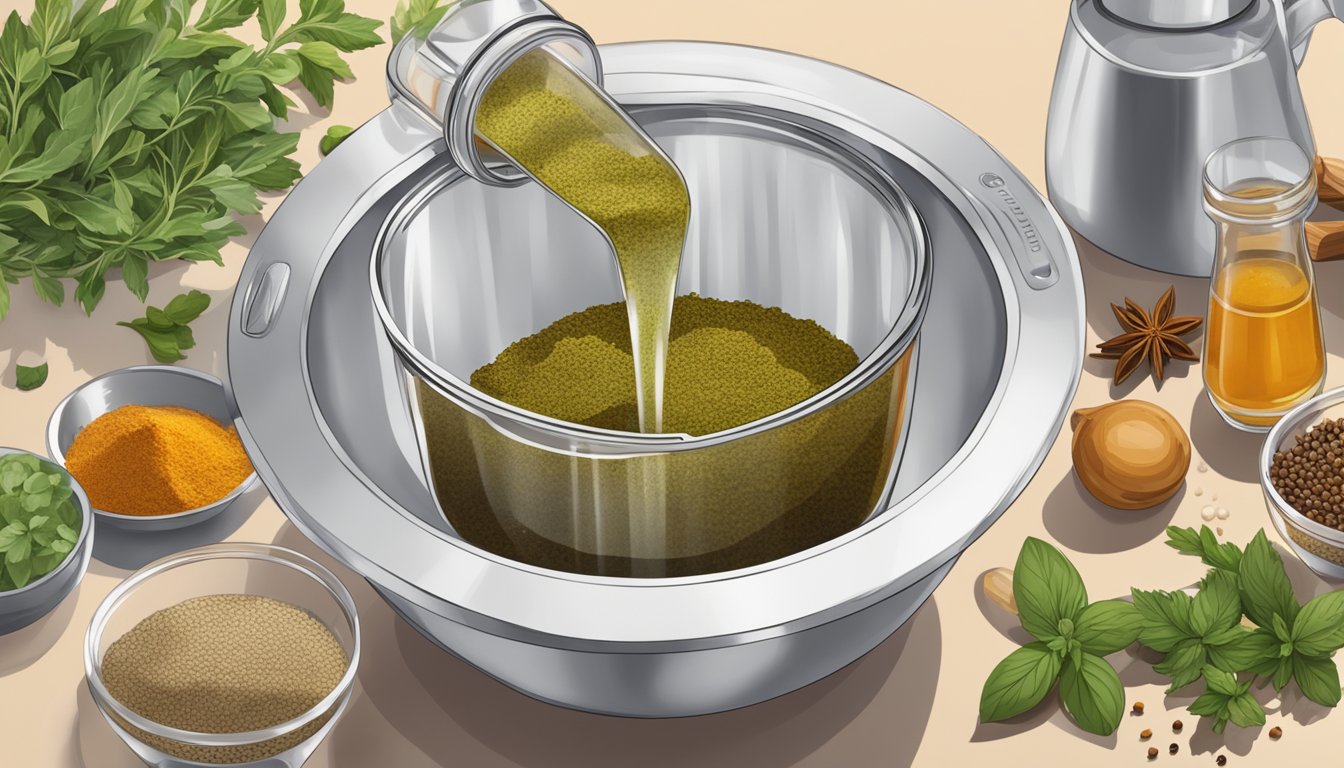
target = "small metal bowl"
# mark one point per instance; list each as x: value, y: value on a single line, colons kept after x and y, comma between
x: 21, y: 607
x: 144, y: 385
x: 1319, y: 546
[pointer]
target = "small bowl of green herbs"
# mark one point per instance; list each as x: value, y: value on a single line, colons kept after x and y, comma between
x: 46, y: 537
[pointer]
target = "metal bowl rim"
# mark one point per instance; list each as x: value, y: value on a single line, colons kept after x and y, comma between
x: 145, y: 522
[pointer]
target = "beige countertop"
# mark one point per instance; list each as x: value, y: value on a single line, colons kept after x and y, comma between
x: 912, y: 700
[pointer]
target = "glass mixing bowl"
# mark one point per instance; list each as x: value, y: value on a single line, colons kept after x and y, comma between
x: 781, y: 216
x: 1318, y: 545
x: 248, y: 569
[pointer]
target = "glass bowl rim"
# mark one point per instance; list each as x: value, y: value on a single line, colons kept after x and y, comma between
x: 1282, y: 430
x: 269, y: 553
x: 900, y: 337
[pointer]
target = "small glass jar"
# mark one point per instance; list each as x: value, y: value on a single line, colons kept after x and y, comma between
x: 1263, y: 352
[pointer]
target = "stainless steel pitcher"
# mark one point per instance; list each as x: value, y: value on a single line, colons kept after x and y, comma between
x: 1145, y: 90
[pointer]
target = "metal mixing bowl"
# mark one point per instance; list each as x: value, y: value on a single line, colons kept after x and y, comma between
x: 144, y: 385
x: 21, y: 607
x: 325, y: 418
x: 1319, y: 546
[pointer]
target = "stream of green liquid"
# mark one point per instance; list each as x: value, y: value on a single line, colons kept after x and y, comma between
x: 551, y: 121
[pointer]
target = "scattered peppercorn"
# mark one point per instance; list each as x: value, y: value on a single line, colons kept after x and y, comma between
x: 1275, y: 732
x: 1173, y: 749
x: 1138, y: 707
x: 1177, y: 726
x: 1222, y: 760
x: 1146, y: 733
x: 1152, y: 753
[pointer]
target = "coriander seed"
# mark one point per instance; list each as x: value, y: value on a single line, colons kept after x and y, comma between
x: 1177, y: 726
x: 1275, y: 732
x: 1152, y: 753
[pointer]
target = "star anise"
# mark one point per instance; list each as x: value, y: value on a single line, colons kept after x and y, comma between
x: 1154, y: 338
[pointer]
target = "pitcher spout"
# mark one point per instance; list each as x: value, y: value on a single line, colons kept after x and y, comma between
x: 1302, y: 16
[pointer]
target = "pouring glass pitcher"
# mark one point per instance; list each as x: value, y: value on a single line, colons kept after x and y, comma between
x: 1145, y: 90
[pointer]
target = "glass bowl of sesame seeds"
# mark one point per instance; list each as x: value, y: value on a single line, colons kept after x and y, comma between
x: 1302, y: 475
x: 231, y: 654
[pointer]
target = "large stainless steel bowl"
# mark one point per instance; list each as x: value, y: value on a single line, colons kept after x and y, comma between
x: 325, y: 419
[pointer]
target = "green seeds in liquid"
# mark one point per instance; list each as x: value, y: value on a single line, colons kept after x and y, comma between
x: 550, y: 121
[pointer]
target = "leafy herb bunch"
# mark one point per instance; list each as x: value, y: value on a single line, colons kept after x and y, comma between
x: 1204, y: 636
x: 40, y: 521
x: 1201, y: 635
x: 1071, y: 635
x: 132, y: 132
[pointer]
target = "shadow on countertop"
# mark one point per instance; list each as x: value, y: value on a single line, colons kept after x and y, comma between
x: 27, y: 644
x: 117, y: 552
x: 1083, y: 524
x: 411, y: 691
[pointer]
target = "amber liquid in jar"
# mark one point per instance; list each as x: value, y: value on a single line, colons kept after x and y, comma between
x: 1264, y: 351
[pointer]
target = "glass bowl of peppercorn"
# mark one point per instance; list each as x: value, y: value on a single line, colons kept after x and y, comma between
x: 241, y: 654
x: 1302, y: 475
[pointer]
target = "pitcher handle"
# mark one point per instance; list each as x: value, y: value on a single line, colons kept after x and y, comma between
x: 1302, y: 16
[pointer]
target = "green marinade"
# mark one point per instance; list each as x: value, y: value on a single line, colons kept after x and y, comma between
x: 555, y: 125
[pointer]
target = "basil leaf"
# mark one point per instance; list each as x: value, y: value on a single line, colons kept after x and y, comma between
x: 1265, y: 589
x: 1281, y: 630
x: 1166, y: 618
x: 1019, y: 682
x: 1247, y: 653
x: 186, y: 307
x: 20, y: 571
x: 10, y: 510
x: 1319, y: 628
x: 30, y: 378
x: 1184, y: 664
x: 335, y: 135
x: 1092, y: 694
x: 1107, y: 626
x: 1217, y: 605
x: 1283, y: 672
x: 1047, y: 588
x: 1220, y: 681
x: 19, y: 550
x: 269, y: 15
x: 1318, y: 678
x: 1244, y: 711
x: 1208, y: 704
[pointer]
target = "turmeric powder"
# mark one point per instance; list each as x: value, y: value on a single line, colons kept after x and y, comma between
x: 156, y: 460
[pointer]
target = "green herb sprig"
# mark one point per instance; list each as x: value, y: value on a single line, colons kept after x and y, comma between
x: 133, y: 131
x: 40, y: 521
x: 1291, y: 642
x: 166, y: 330
x: 1202, y: 636
x: 417, y: 17
x: 1071, y: 635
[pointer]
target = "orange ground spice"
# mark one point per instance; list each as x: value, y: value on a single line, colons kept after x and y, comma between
x: 156, y: 460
